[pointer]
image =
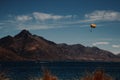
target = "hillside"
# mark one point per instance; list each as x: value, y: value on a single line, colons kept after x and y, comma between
x: 26, y: 46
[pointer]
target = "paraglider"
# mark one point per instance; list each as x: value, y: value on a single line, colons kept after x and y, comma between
x: 92, y: 26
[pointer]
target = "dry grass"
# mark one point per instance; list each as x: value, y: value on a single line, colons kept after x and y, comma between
x: 48, y: 76
x: 3, y: 77
x: 97, y: 75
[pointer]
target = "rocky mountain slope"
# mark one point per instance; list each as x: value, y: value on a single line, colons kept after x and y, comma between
x: 25, y: 46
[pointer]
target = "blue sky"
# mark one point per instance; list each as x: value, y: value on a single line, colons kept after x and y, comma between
x: 64, y: 21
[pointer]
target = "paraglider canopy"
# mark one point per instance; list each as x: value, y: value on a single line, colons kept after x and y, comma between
x: 93, y: 25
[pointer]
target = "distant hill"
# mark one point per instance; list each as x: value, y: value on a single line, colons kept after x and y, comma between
x: 118, y: 54
x: 27, y: 47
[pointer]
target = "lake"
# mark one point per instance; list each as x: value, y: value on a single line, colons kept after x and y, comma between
x: 31, y: 70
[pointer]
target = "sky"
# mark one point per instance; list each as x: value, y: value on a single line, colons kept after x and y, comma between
x: 65, y: 21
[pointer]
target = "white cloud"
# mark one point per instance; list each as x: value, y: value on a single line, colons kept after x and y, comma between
x: 100, y: 43
x: 44, y: 16
x: 39, y: 17
x: 40, y: 20
x: 31, y: 27
x: 38, y: 26
x: 116, y: 46
x: 103, y: 15
x: 23, y: 18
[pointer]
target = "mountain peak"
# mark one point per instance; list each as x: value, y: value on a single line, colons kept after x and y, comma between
x: 24, y: 33
x: 33, y: 47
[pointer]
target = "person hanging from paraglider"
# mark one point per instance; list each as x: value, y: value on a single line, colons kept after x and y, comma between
x: 92, y: 26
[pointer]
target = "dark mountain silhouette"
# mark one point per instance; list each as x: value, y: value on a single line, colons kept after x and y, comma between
x: 118, y: 54
x: 25, y: 46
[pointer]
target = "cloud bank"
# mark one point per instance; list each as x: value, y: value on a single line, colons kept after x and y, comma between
x: 103, y: 15
x: 100, y: 43
x: 116, y: 46
x: 23, y: 18
x: 40, y: 20
x: 44, y: 16
x: 41, y: 17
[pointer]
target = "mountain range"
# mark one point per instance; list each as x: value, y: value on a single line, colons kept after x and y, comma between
x: 28, y: 47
